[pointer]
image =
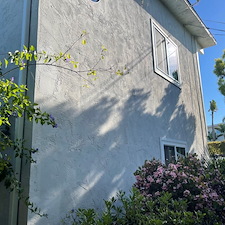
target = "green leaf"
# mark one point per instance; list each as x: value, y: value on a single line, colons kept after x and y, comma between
x: 46, y: 59
x: 118, y: 72
x: 92, y: 72
x: 84, y: 42
x: 32, y: 48
x: 104, y: 48
x: 19, y: 114
x: 35, y: 57
x: 27, y: 56
x: 6, y: 62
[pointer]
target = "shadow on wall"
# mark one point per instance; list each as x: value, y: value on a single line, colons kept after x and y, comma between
x: 93, y: 154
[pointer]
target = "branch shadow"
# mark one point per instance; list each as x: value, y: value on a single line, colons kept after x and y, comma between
x: 95, y: 150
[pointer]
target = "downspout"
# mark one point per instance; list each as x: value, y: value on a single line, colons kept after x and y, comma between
x: 19, y: 123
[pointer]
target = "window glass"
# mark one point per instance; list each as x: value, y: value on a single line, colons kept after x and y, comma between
x: 172, y: 60
x: 180, y: 152
x: 161, y: 58
x: 165, y: 56
x: 173, y: 153
x: 169, y: 152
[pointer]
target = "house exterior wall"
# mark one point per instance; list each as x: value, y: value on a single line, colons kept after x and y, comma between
x: 106, y: 131
x: 11, y: 17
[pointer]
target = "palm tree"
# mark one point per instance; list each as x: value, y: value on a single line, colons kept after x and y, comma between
x: 213, y: 109
x: 209, y: 136
x: 221, y: 129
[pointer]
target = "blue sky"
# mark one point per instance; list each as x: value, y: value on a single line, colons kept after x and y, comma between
x: 212, y: 12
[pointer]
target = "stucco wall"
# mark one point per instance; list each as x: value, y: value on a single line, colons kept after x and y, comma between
x: 11, y: 18
x: 11, y: 25
x: 106, y: 131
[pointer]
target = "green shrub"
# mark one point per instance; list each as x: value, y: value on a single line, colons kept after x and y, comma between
x: 136, y: 209
x: 189, y: 179
x: 218, y: 164
x: 186, y: 192
x: 216, y: 148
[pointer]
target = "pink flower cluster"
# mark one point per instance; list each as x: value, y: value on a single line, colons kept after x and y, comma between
x: 187, y: 179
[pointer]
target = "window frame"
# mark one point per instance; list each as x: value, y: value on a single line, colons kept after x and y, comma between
x: 171, y: 142
x: 157, y: 70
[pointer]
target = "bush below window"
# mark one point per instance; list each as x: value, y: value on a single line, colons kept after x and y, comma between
x: 186, y: 192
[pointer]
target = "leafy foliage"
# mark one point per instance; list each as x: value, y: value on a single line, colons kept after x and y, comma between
x: 221, y: 129
x: 14, y: 103
x: 218, y: 164
x: 213, y: 109
x: 213, y: 106
x: 216, y: 148
x: 136, y: 209
x: 188, y: 179
x: 211, y: 138
x: 29, y: 56
x: 186, y: 192
x: 219, y: 70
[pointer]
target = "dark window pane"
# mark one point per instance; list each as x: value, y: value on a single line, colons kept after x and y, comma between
x: 180, y: 152
x: 169, y: 152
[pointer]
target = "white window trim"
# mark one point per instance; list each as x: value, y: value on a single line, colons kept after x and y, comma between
x: 156, y: 69
x: 171, y: 142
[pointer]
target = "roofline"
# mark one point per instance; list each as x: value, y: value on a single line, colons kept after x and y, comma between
x: 183, y: 10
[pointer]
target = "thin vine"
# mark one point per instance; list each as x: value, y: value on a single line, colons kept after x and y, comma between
x: 14, y: 103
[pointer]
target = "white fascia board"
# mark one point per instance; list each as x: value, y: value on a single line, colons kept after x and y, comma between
x: 184, y: 12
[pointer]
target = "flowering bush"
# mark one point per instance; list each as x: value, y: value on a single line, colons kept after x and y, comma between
x: 186, y: 192
x: 218, y: 164
x: 188, y: 179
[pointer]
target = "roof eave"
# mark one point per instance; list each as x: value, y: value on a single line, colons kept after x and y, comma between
x: 185, y: 13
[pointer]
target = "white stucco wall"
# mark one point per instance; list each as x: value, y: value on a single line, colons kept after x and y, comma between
x: 12, y: 21
x: 106, y: 131
x: 12, y: 17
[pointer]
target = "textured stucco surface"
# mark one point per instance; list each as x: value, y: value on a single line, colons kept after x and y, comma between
x: 11, y: 16
x: 106, y: 131
x: 11, y: 25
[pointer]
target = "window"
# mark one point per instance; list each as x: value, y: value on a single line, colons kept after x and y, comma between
x: 165, y: 54
x: 172, y: 150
